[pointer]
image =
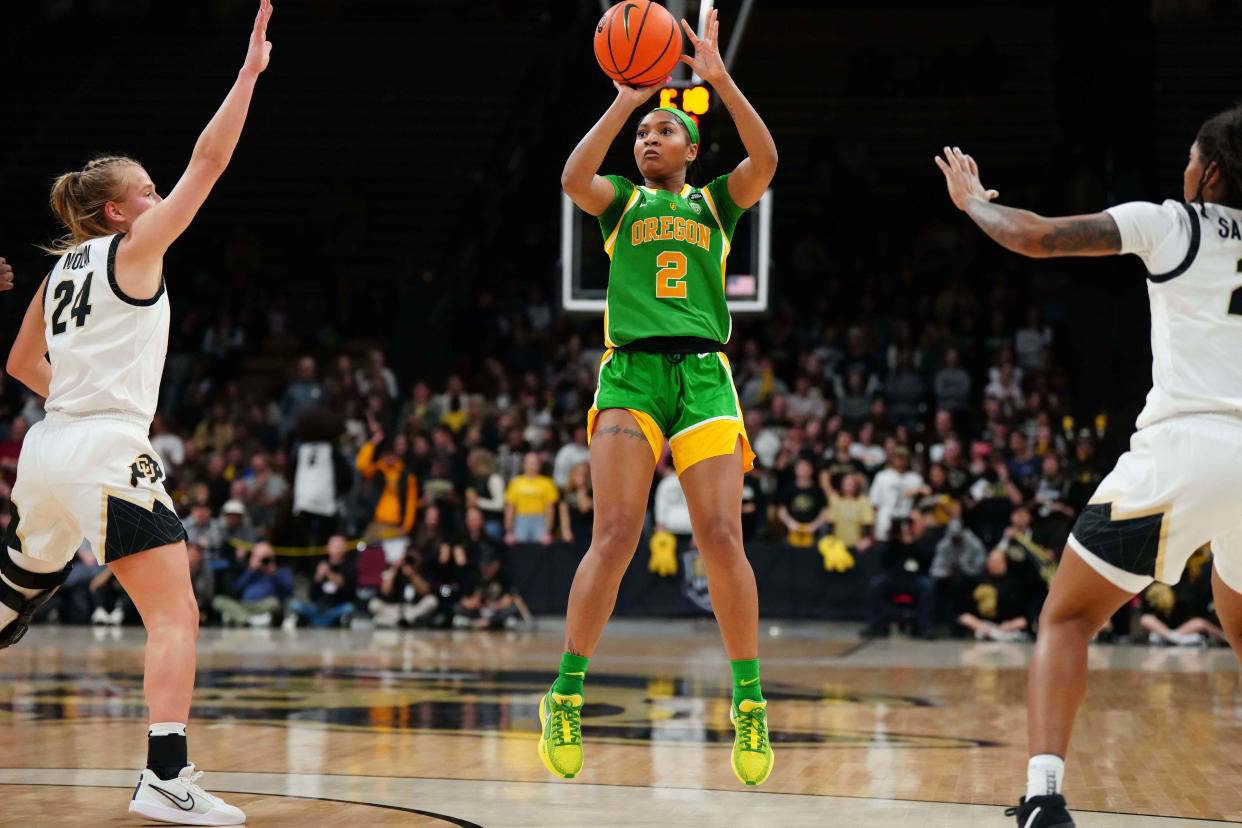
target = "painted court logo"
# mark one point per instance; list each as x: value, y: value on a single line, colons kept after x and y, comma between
x: 624, y: 709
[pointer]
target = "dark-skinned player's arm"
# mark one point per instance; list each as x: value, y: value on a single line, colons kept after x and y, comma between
x: 580, y: 179
x: 141, y: 252
x: 751, y: 178
x: 26, y: 359
x: 6, y: 275
x: 1022, y: 231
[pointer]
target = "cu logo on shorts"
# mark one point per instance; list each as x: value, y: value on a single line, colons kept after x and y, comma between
x: 145, y: 467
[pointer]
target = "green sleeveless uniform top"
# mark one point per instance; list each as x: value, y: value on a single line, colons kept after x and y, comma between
x: 668, y: 253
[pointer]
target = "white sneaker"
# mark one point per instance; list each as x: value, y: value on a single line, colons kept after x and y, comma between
x: 263, y: 619
x: 116, y: 617
x: 181, y: 800
x: 99, y: 616
x: 1188, y: 640
x: 290, y: 622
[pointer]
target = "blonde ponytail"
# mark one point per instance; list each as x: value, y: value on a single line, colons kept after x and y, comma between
x: 78, y: 199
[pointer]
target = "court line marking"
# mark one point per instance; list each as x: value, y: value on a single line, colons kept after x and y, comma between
x: 580, y: 784
x: 461, y: 823
x: 975, y: 744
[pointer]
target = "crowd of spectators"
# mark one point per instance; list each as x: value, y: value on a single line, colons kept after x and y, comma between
x: 949, y: 454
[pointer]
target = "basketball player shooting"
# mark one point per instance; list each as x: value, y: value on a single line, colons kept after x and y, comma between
x: 664, y: 376
x: 1176, y: 488
x: 88, y: 469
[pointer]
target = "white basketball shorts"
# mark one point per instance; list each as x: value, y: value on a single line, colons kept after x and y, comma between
x: 1177, y: 488
x: 93, y: 477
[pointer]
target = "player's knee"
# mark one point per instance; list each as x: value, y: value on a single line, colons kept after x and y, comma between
x: 1077, y: 619
x: 22, y: 593
x: 177, y: 616
x: 614, y: 537
x: 720, y: 538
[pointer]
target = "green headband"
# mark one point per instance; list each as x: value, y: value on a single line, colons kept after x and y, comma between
x: 691, y: 126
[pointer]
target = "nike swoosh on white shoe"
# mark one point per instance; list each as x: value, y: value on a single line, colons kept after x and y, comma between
x: 1031, y: 819
x: 180, y: 802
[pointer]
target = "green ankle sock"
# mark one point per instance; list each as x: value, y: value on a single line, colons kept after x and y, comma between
x: 573, y: 671
x: 746, y: 680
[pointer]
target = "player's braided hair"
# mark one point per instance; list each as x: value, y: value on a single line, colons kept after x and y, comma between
x: 1220, y: 144
x: 78, y: 199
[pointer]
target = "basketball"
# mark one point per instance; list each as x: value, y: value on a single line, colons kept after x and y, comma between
x: 637, y: 43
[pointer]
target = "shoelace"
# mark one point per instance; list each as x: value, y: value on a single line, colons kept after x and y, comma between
x: 566, y: 724
x: 751, y: 730
x: 192, y: 784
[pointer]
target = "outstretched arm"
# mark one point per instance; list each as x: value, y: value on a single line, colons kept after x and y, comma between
x: 751, y: 177
x: 580, y: 179
x: 139, y: 255
x: 26, y: 359
x: 1022, y: 231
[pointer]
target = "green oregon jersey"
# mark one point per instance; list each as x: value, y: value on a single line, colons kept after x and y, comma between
x: 668, y: 254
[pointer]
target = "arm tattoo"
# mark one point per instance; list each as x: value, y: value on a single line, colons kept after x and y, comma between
x: 1083, y: 234
x: 1032, y: 235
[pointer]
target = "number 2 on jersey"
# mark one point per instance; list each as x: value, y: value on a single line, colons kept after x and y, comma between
x: 1235, y: 298
x: 670, y: 278
x: 81, y: 305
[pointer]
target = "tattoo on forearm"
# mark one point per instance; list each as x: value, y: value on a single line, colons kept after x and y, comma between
x: 628, y: 432
x: 1011, y: 228
x: 1086, y: 234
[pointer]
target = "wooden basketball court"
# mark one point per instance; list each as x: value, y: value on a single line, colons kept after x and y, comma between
x: 418, y: 728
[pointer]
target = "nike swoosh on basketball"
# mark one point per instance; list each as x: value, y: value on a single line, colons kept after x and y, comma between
x: 180, y: 802
x: 746, y: 683
x: 1031, y: 819
x: 625, y: 17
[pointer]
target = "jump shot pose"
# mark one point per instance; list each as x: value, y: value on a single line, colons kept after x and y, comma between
x: 93, y: 343
x: 664, y: 376
x: 1177, y: 487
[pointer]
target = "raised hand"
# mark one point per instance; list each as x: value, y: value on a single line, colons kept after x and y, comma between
x: 634, y: 96
x: 706, y: 63
x: 961, y: 173
x: 6, y: 275
x: 260, y: 49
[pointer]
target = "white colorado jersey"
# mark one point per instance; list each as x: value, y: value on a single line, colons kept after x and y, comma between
x: 107, y: 350
x: 1195, y: 290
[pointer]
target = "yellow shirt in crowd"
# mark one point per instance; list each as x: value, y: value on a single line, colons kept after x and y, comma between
x: 848, y: 516
x: 531, y: 495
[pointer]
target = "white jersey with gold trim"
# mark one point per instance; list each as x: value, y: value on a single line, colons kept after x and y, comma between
x: 1194, y: 257
x: 107, y: 349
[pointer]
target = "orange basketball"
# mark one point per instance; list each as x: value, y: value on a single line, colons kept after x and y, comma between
x: 637, y: 43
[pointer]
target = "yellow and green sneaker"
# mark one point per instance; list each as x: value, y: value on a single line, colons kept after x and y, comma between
x: 752, y: 755
x: 560, y: 744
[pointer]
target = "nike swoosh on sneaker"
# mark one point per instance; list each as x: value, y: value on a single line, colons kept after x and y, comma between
x: 181, y: 803
x: 1031, y: 819
x: 576, y: 675
x: 746, y: 683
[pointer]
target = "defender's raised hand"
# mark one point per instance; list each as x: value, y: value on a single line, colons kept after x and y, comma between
x: 961, y: 173
x: 6, y: 275
x: 260, y: 49
x: 707, y: 62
